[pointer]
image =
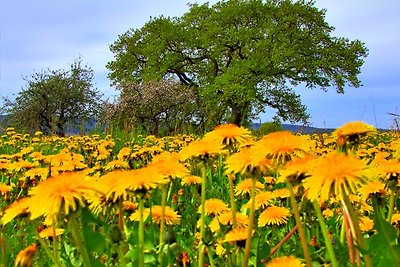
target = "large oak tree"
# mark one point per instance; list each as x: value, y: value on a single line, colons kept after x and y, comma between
x: 242, y: 56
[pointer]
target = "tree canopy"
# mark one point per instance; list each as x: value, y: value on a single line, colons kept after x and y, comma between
x: 241, y: 56
x: 55, y: 99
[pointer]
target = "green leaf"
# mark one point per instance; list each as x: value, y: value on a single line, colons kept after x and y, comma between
x: 263, y: 250
x: 382, y: 244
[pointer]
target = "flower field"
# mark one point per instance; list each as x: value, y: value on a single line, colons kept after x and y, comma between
x: 227, y: 198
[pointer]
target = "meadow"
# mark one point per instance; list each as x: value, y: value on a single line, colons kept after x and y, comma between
x: 228, y: 198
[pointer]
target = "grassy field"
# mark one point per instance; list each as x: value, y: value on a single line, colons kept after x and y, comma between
x: 227, y: 198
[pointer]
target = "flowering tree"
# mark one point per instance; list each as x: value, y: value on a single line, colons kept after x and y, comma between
x: 154, y: 106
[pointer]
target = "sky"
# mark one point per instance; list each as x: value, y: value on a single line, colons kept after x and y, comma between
x: 50, y: 34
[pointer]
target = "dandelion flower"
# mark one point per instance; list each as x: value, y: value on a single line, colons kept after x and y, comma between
x: 238, y: 235
x: 372, y: 188
x: 50, y: 232
x: 124, y: 153
x: 202, y: 149
x: 4, y: 188
x: 25, y: 256
x: 388, y: 170
x: 296, y: 170
x: 248, y: 161
x: 214, y: 207
x: 282, y: 192
x: 352, y: 131
x: 283, y: 145
x: 17, y: 208
x: 117, y: 184
x: 396, y: 220
x: 366, y: 224
x: 273, y: 215
x: 59, y: 194
x: 229, y: 134
x: 190, y: 180
x: 244, y: 187
x: 171, y: 217
x: 242, y: 220
x: 287, y: 261
x: 262, y: 199
x: 168, y: 165
x: 334, y: 173
x: 116, y: 164
x: 129, y: 206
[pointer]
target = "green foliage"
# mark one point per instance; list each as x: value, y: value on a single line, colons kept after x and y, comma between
x: 383, y: 245
x: 268, y: 127
x: 241, y: 56
x: 54, y: 100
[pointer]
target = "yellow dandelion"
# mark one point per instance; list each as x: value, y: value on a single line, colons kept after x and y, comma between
x: 287, y: 261
x: 283, y: 145
x: 25, y: 256
x: 202, y: 149
x: 190, y: 180
x: 117, y: 184
x: 283, y: 192
x: 168, y: 165
x: 171, y: 217
x: 4, y: 188
x: 238, y: 235
x: 396, y: 220
x: 352, y: 131
x: 273, y: 215
x: 248, y: 161
x: 124, y: 153
x: 327, y: 213
x: 366, y: 224
x: 242, y: 220
x: 214, y: 207
x: 51, y: 232
x: 388, y: 170
x: 244, y: 187
x: 214, y: 225
x: 372, y: 188
x: 262, y: 199
x: 36, y: 173
x: 229, y: 134
x: 59, y: 194
x: 116, y: 164
x: 129, y: 205
x: 17, y: 208
x: 296, y: 169
x: 334, y: 173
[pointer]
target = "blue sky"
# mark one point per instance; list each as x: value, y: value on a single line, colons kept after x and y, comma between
x: 41, y: 34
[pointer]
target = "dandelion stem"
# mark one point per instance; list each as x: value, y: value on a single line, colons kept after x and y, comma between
x: 79, y: 240
x: 120, y: 216
x: 251, y: 224
x: 48, y: 251
x: 141, y: 233
x: 162, y: 221
x: 232, y: 199
x: 299, y: 225
x: 324, y: 230
x: 392, y: 197
x: 286, y: 238
x: 353, y: 219
x: 202, y: 215
x: 349, y: 237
